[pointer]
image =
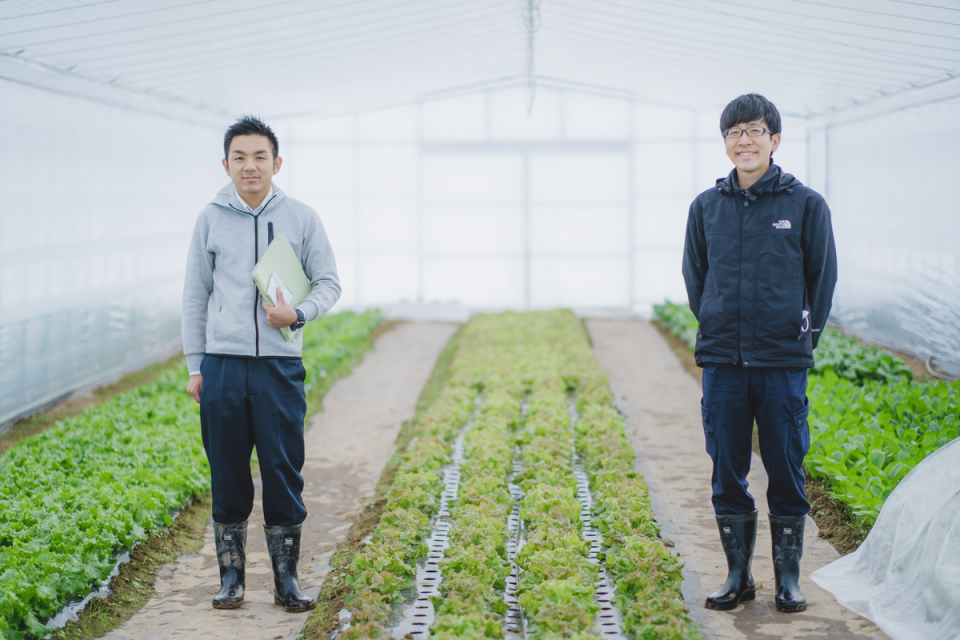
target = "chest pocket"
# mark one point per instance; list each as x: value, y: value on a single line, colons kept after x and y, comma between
x: 780, y: 274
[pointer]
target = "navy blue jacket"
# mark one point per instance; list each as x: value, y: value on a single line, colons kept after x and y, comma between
x: 760, y: 267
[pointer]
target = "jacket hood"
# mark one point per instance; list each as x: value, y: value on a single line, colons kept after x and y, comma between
x: 774, y: 180
x: 225, y: 198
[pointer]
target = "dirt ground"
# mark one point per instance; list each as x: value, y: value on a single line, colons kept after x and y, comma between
x: 661, y: 403
x: 347, y: 446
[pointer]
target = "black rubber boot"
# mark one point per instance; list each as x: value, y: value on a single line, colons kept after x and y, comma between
x: 739, y: 536
x: 231, y: 541
x: 283, y: 543
x: 787, y: 534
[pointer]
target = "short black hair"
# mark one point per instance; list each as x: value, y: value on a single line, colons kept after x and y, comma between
x: 249, y: 126
x: 747, y: 108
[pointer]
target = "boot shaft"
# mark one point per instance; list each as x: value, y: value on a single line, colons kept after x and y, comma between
x: 738, y: 535
x: 231, y: 542
x: 283, y: 543
x: 787, y: 537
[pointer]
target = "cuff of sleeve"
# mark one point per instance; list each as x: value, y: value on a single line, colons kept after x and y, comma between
x: 193, y: 363
x: 310, y: 310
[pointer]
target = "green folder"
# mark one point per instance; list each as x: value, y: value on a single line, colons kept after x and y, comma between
x: 280, y: 266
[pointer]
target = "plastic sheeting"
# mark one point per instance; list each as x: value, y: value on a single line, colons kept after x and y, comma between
x: 459, y: 196
x: 466, y: 201
x: 471, y: 201
x: 98, y: 208
x: 324, y: 58
x: 906, y: 574
x: 891, y: 184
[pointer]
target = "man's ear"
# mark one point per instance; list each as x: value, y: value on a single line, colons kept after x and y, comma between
x: 775, y: 138
x: 276, y: 165
x: 226, y: 167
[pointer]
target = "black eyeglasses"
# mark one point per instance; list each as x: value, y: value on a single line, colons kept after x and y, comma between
x: 752, y: 132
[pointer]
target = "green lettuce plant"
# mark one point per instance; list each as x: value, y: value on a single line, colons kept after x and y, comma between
x: 73, y: 497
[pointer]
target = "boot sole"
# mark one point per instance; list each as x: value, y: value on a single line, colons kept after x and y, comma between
x: 794, y: 609
x: 295, y: 608
x: 227, y: 605
x: 747, y: 595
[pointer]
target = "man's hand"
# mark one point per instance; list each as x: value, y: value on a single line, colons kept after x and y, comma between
x: 193, y: 387
x: 282, y: 315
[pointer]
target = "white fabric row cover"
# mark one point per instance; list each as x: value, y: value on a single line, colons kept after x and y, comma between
x: 906, y: 574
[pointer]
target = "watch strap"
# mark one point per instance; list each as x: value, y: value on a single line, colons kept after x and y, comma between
x: 301, y: 320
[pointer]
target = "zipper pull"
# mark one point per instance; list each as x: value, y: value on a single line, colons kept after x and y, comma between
x: 269, y: 233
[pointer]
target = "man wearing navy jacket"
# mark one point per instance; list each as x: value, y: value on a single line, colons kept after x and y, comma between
x: 760, y: 268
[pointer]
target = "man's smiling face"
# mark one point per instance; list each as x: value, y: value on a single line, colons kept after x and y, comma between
x: 251, y: 165
x: 751, y: 155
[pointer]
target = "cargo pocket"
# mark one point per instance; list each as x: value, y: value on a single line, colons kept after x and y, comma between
x: 799, y: 431
x: 708, y: 432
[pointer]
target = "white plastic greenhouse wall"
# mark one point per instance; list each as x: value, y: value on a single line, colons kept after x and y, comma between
x: 459, y: 179
x: 471, y: 201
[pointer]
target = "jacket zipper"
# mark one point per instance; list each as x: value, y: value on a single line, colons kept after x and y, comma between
x: 256, y: 259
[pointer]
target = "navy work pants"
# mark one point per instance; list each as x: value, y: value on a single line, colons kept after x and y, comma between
x: 246, y: 402
x: 776, y: 397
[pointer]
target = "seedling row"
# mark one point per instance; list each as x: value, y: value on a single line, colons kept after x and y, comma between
x: 547, y: 504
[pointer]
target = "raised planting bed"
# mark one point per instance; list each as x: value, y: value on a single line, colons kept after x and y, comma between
x: 516, y: 511
x: 75, y: 497
x: 870, y: 423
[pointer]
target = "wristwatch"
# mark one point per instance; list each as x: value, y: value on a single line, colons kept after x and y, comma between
x: 301, y: 320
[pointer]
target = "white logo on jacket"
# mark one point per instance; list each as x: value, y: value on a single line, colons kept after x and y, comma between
x: 782, y: 224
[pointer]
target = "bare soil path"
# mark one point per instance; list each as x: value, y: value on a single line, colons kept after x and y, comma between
x: 661, y: 402
x: 347, y: 446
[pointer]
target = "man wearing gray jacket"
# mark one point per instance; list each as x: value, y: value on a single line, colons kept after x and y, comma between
x: 247, y: 378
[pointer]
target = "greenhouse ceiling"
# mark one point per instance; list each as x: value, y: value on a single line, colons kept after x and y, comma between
x: 209, y: 59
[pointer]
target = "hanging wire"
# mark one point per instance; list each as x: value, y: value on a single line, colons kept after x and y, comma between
x: 530, y: 15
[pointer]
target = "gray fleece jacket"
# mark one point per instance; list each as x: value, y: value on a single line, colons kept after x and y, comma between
x: 221, y: 305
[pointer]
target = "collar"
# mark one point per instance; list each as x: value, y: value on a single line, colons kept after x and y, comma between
x: 245, y: 207
x: 769, y: 181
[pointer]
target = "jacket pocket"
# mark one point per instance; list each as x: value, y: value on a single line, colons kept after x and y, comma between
x: 779, y: 288
x: 706, y: 310
x: 216, y: 321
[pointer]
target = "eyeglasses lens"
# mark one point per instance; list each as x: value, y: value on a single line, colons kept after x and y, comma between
x: 751, y: 133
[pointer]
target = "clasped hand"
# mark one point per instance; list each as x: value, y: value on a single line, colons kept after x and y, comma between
x: 282, y: 315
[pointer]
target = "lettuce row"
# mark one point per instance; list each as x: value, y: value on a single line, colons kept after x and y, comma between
x: 387, y: 564
x: 476, y: 566
x: 74, y: 495
x: 646, y: 574
x: 558, y: 583
x: 541, y: 357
